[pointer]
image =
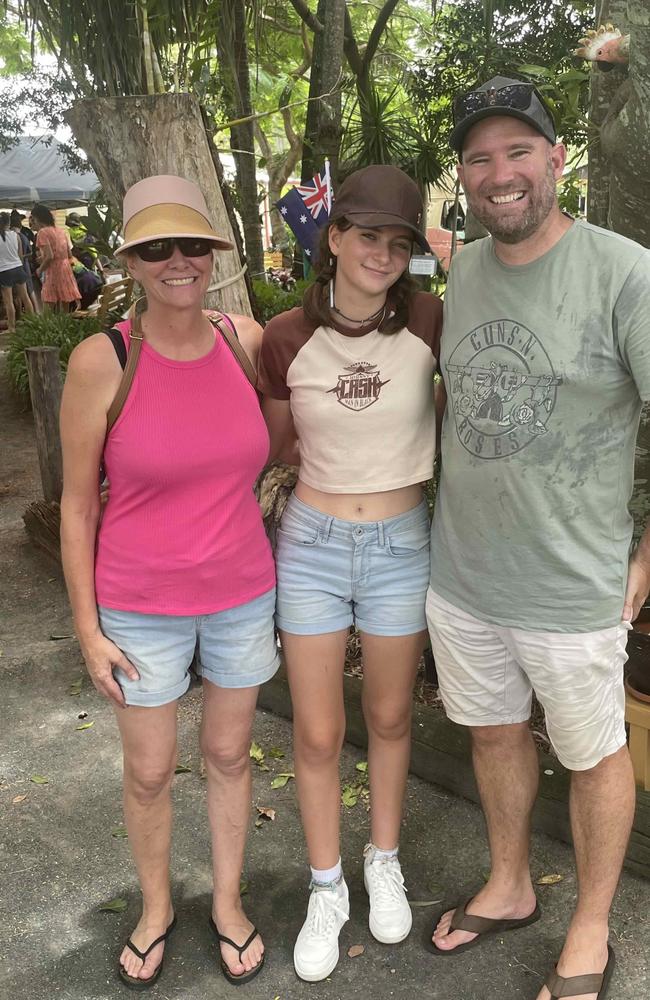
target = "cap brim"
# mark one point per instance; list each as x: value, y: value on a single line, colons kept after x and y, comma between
x: 374, y: 220
x: 458, y: 134
x: 217, y: 241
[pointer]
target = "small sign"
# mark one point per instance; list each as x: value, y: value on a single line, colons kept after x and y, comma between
x: 423, y: 264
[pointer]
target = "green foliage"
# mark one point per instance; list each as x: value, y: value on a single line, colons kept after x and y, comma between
x: 273, y: 300
x: 48, y: 329
x: 569, y: 192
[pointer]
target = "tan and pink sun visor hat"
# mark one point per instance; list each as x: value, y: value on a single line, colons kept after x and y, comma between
x: 165, y: 206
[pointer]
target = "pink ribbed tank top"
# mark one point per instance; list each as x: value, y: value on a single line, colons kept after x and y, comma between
x: 182, y: 533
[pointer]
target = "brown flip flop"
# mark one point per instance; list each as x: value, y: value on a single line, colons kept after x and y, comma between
x: 482, y: 926
x: 576, y: 986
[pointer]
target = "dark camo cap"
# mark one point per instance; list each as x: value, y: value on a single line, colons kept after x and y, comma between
x: 381, y: 195
x: 500, y: 96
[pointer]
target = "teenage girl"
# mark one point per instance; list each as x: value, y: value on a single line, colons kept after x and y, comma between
x: 351, y: 375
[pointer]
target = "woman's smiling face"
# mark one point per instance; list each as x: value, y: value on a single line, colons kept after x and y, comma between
x: 178, y: 282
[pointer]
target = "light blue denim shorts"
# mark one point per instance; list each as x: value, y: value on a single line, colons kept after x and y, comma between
x: 235, y: 648
x: 333, y: 573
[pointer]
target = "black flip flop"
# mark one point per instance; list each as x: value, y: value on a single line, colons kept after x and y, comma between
x: 481, y: 926
x: 576, y: 986
x: 133, y: 982
x: 245, y: 977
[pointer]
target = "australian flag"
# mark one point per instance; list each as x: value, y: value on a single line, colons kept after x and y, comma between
x: 305, y: 209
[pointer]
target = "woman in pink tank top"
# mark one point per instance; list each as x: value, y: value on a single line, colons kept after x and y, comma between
x: 178, y: 567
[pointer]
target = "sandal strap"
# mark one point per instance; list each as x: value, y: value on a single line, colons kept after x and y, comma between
x: 462, y: 921
x: 143, y: 954
x: 239, y: 948
x: 561, y: 986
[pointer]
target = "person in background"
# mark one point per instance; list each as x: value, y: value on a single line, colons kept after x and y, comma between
x: 16, y: 223
x: 58, y: 288
x: 351, y: 374
x: 12, y: 273
x: 88, y: 282
x: 83, y: 243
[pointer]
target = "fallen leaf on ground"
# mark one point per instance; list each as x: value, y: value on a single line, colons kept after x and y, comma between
x: 281, y: 780
x: 67, y: 635
x: 256, y: 753
x: 182, y: 769
x: 424, y: 902
x: 355, y: 950
x: 75, y: 687
x: 349, y: 796
x: 119, y: 832
x: 549, y: 879
x: 362, y: 766
x: 39, y: 779
x: 18, y: 798
x: 276, y: 754
x: 85, y: 725
x: 243, y: 888
x: 265, y: 812
x: 116, y: 905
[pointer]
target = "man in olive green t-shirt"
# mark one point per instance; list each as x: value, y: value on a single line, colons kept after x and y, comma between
x: 546, y: 361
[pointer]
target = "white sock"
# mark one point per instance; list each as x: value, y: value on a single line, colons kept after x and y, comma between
x: 380, y: 855
x: 323, y: 876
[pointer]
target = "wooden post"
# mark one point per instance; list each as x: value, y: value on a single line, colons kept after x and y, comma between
x: 45, y: 391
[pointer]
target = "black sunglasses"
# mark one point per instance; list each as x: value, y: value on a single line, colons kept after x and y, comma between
x: 515, y: 95
x: 155, y: 251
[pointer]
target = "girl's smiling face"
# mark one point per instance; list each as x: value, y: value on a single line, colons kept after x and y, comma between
x: 369, y: 261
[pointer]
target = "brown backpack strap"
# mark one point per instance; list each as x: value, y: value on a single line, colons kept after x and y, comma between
x: 135, y: 335
x: 233, y: 343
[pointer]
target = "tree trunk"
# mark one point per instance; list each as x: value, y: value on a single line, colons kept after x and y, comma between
x: 625, y: 134
x: 233, y: 58
x: 128, y: 138
x: 328, y: 136
x: 309, y: 155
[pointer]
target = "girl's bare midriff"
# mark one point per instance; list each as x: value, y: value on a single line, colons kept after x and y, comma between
x: 361, y: 506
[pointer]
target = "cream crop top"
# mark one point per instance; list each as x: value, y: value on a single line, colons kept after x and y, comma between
x: 362, y: 401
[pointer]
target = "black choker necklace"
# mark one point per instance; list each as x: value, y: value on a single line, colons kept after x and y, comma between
x: 379, y: 316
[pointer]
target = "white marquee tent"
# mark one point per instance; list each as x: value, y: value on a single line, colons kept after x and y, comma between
x: 34, y: 170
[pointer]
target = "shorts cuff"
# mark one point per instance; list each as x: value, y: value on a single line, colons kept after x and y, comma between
x: 314, y: 628
x: 476, y: 722
x: 154, y: 699
x: 391, y: 630
x: 586, y: 765
x: 226, y: 680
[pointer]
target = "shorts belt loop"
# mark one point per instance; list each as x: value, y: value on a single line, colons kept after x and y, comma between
x: 380, y: 534
x: 326, y: 528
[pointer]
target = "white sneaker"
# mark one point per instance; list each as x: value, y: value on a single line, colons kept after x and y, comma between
x: 316, y: 951
x: 390, y: 914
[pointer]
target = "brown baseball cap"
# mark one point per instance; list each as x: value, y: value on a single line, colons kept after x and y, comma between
x: 163, y: 206
x: 381, y: 195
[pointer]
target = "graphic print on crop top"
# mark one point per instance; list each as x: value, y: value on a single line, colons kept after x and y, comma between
x: 361, y: 401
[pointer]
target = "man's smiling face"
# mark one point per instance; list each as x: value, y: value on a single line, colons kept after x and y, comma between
x: 509, y: 172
